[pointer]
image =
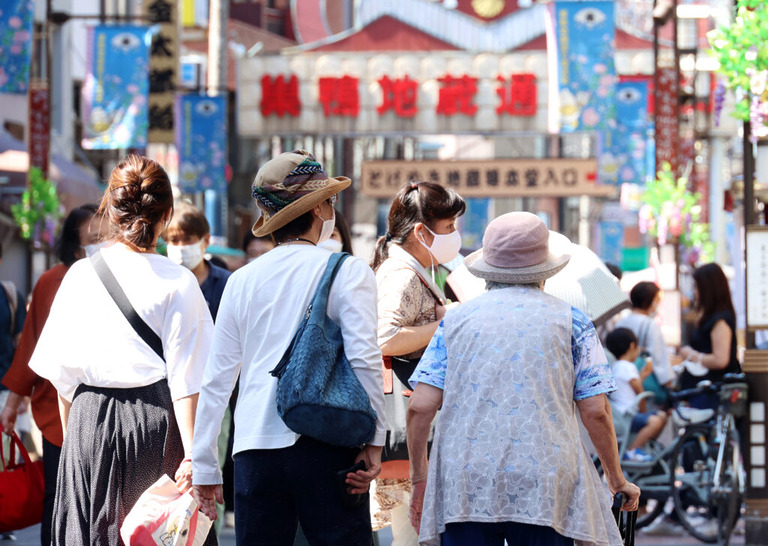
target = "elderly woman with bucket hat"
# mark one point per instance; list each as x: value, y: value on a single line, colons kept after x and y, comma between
x: 509, y: 369
x: 283, y: 478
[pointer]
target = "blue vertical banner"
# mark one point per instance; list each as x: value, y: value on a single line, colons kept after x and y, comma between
x: 474, y: 221
x: 116, y: 87
x: 585, y: 35
x: 623, y: 160
x: 611, y: 241
x: 201, y: 139
x: 16, y: 19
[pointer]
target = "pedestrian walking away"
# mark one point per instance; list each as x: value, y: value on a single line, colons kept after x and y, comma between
x: 79, y: 238
x: 128, y: 408
x: 509, y: 369
x: 282, y: 478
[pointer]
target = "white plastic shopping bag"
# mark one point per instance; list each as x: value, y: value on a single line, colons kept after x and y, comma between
x: 164, y: 517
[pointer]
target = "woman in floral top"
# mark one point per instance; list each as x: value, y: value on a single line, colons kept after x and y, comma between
x: 422, y: 234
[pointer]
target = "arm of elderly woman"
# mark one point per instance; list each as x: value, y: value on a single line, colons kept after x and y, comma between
x: 597, y: 418
x: 422, y: 407
x: 720, y: 356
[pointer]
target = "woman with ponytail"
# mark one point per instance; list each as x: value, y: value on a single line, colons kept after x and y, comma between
x: 127, y: 409
x: 421, y: 235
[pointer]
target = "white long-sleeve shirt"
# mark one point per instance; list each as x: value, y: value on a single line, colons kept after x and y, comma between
x: 260, y: 311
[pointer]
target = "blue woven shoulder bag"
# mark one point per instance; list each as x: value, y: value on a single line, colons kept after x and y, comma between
x: 318, y: 393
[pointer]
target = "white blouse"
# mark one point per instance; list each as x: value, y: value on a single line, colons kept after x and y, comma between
x: 87, y: 340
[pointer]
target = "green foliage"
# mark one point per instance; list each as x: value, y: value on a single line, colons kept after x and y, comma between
x: 741, y: 50
x: 672, y: 214
x: 39, y: 207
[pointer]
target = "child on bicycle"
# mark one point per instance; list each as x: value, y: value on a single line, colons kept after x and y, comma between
x: 622, y: 342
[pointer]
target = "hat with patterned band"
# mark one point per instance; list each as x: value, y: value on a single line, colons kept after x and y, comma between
x: 289, y: 185
x: 519, y: 249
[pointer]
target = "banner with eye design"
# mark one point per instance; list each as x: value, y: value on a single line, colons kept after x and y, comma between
x: 201, y: 141
x: 625, y: 147
x: 585, y: 73
x: 116, y: 87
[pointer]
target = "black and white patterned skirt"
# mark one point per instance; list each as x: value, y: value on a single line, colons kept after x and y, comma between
x: 118, y: 443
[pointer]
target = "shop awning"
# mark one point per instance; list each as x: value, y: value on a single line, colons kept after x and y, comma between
x: 75, y: 184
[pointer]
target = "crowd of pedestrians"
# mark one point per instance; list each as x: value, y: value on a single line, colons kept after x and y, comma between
x: 140, y: 365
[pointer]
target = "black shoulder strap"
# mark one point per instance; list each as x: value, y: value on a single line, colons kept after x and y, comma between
x: 113, y: 287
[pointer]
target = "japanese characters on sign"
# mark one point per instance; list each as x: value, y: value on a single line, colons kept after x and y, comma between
x: 163, y: 68
x: 282, y: 94
x: 340, y: 96
x: 667, y: 119
x: 757, y: 277
x: 39, y: 126
x: 488, y: 178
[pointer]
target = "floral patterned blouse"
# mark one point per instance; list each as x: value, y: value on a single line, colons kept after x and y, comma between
x: 507, y: 447
x: 404, y: 300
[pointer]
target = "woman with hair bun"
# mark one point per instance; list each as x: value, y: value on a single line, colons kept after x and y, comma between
x: 127, y: 409
x: 421, y: 235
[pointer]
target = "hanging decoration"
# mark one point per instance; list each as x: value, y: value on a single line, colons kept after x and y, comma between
x: 740, y: 50
x: 116, y: 88
x: 16, y: 18
x: 672, y: 215
x: 39, y: 209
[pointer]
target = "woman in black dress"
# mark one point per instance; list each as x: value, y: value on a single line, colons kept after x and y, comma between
x: 713, y: 343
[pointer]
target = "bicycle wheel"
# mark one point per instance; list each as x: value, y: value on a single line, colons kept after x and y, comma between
x: 654, y: 491
x: 729, y: 494
x: 692, y: 468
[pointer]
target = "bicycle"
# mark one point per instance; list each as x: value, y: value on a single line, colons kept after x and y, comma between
x: 708, y: 482
x: 701, y: 470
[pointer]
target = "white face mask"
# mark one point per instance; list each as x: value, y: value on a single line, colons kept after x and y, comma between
x: 444, y: 248
x: 331, y: 244
x: 327, y: 230
x: 90, y: 250
x: 189, y: 256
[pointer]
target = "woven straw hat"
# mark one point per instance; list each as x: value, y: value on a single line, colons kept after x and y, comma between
x: 519, y: 249
x: 289, y: 185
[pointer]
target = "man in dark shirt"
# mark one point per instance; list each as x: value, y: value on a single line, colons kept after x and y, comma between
x: 188, y: 236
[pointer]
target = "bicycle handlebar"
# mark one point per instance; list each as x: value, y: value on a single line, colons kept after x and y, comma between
x: 707, y: 386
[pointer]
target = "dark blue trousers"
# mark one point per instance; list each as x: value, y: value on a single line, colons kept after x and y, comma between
x: 494, y: 534
x: 275, y: 489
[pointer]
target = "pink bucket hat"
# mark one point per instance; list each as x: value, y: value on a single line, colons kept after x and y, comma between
x: 518, y: 249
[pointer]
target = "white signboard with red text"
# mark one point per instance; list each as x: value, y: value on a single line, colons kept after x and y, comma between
x: 380, y: 93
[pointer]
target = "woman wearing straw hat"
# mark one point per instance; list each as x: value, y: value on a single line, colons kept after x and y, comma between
x: 281, y: 478
x: 506, y: 367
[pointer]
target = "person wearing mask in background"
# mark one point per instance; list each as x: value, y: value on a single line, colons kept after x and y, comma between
x: 712, y: 352
x: 187, y: 237
x: 421, y: 235
x: 340, y: 240
x: 281, y: 478
x: 256, y: 246
x: 127, y: 408
x: 79, y: 237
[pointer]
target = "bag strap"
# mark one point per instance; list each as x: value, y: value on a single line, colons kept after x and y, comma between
x: 319, y: 306
x: 15, y: 442
x: 146, y: 333
x: 13, y: 301
x: 316, y: 309
x: 642, y: 337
